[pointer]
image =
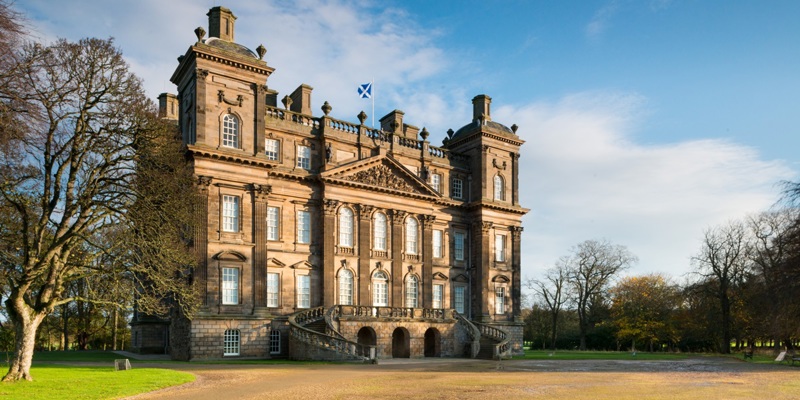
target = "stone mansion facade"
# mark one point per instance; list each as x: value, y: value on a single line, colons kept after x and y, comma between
x: 327, y: 239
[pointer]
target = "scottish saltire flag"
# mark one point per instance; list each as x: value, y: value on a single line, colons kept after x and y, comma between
x: 365, y: 90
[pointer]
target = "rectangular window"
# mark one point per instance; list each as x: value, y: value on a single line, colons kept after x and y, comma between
x: 438, y: 295
x: 273, y: 289
x: 230, y: 213
x: 381, y: 296
x: 437, y: 244
x: 231, y: 342
x: 230, y: 286
x: 275, y: 342
x: 436, y: 182
x: 458, y: 189
x: 459, y: 246
x: 304, y: 157
x: 303, y: 291
x: 272, y: 148
x: 499, y: 248
x: 273, y: 222
x: 459, y: 300
x: 500, y: 300
x: 303, y: 227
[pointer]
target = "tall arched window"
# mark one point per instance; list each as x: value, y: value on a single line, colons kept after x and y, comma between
x: 379, y: 232
x: 345, y: 287
x: 412, y: 291
x: 499, y: 188
x: 411, y: 235
x: 346, y: 227
x: 230, y: 131
x: 380, y: 293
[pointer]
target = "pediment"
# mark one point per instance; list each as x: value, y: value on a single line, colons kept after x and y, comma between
x: 501, y: 279
x: 381, y: 173
x: 439, y: 277
x: 461, y: 278
x: 302, y: 265
x: 229, y: 255
x: 273, y: 262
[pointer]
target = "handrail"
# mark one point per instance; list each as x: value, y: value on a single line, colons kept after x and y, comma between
x: 325, y: 341
x: 503, y: 347
x: 473, y: 332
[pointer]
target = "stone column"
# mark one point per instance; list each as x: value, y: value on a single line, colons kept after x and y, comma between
x: 328, y: 243
x: 398, y: 220
x: 427, y: 260
x: 364, y: 246
x: 201, y: 240
x: 260, y: 194
x: 515, y: 179
x: 481, y: 263
x: 516, y: 271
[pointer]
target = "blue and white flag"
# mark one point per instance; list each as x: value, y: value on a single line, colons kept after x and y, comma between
x: 365, y: 91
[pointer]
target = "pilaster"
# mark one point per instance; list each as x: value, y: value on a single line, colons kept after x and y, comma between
x: 398, y: 219
x: 427, y: 260
x: 481, y: 256
x: 516, y: 271
x: 200, y: 105
x: 515, y: 179
x: 364, y: 235
x: 328, y: 247
x: 201, y: 239
x: 260, y: 195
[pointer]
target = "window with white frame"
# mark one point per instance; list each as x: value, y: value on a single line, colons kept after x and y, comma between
x: 379, y: 232
x: 303, y: 227
x: 304, y: 157
x: 231, y: 342
x: 436, y: 182
x: 303, y: 291
x: 345, y: 287
x: 437, y: 244
x: 380, y: 292
x: 273, y: 289
x: 345, y: 227
x: 412, y: 291
x: 272, y: 148
x: 412, y: 227
x: 275, y: 342
x: 459, y: 299
x: 230, y: 213
x: 499, y: 300
x: 499, y: 248
x: 459, y: 246
x: 438, y: 296
x: 230, y: 131
x: 230, y: 285
x: 458, y: 188
x: 499, y: 188
x: 273, y: 223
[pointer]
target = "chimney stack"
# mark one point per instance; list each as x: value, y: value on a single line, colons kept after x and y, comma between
x: 481, y: 105
x: 220, y: 23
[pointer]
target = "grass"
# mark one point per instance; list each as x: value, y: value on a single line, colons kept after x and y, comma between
x: 599, y: 355
x: 70, y: 382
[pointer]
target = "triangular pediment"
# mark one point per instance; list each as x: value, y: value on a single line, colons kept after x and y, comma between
x: 438, y: 276
x: 382, y: 173
x: 273, y: 262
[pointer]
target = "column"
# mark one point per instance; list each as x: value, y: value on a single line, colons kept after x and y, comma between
x: 398, y: 221
x: 516, y: 271
x: 201, y: 239
x: 427, y: 260
x: 481, y: 290
x: 328, y: 242
x: 515, y: 179
x: 260, y: 194
x: 364, y: 246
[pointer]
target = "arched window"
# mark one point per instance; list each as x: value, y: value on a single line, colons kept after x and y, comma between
x: 499, y: 188
x: 230, y: 131
x: 412, y: 291
x: 345, y: 287
x: 231, y: 342
x: 346, y: 227
x: 380, y: 293
x: 379, y: 232
x: 411, y: 235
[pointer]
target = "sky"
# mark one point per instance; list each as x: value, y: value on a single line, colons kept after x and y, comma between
x: 646, y: 122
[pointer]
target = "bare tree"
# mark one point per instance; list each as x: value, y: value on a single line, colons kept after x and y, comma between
x: 591, y: 268
x: 552, y: 289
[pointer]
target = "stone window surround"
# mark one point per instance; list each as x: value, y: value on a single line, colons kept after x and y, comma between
x: 237, y: 134
x: 231, y: 342
x: 340, y: 287
x: 237, y: 272
x: 277, y: 293
x: 278, y: 146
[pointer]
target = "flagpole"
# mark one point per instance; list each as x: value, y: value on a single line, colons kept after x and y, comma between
x: 372, y: 86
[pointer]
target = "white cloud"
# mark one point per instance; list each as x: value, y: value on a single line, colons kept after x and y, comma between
x: 601, y: 19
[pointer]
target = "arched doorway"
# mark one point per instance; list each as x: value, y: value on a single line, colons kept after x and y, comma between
x: 366, y: 336
x: 433, y: 343
x: 400, y: 343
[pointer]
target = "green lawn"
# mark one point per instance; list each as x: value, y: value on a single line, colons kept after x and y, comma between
x: 69, y: 382
x: 598, y: 355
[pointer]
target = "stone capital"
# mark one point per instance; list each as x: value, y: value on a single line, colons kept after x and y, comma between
x: 365, y: 211
x: 260, y: 192
x: 330, y: 206
x: 398, y: 216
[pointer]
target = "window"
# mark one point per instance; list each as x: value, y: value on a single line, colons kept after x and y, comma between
x: 499, y: 300
x: 273, y: 222
x: 380, y: 294
x: 458, y: 188
x: 411, y: 235
x: 272, y: 148
x: 304, y: 157
x: 303, y: 227
x: 499, y: 188
x: 346, y: 227
x: 275, y: 342
x: 437, y: 244
x: 459, y: 299
x: 303, y: 291
x: 412, y: 286
x: 436, y: 182
x: 273, y: 289
x: 230, y: 131
x: 230, y: 286
x: 438, y: 295
x: 459, y: 246
x: 345, y: 287
x: 230, y: 213
x: 231, y: 342
x: 379, y: 234
x: 499, y: 248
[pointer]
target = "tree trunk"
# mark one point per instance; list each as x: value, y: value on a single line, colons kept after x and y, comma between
x: 65, y: 326
x: 114, y: 330
x: 25, y: 341
x: 553, y: 336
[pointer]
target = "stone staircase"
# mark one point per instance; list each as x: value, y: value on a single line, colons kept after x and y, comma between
x: 309, y: 339
x: 487, y: 348
x: 494, y: 342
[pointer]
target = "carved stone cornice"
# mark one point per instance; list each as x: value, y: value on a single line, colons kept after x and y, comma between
x: 330, y: 206
x: 365, y: 211
x: 398, y: 216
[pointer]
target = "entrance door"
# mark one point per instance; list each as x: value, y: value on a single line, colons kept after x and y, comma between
x: 432, y: 343
x: 400, y: 343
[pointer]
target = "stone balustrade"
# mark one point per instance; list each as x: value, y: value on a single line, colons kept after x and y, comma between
x: 503, y: 347
x: 343, y: 348
x: 369, y: 312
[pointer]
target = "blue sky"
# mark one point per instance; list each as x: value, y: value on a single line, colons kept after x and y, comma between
x: 646, y: 121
